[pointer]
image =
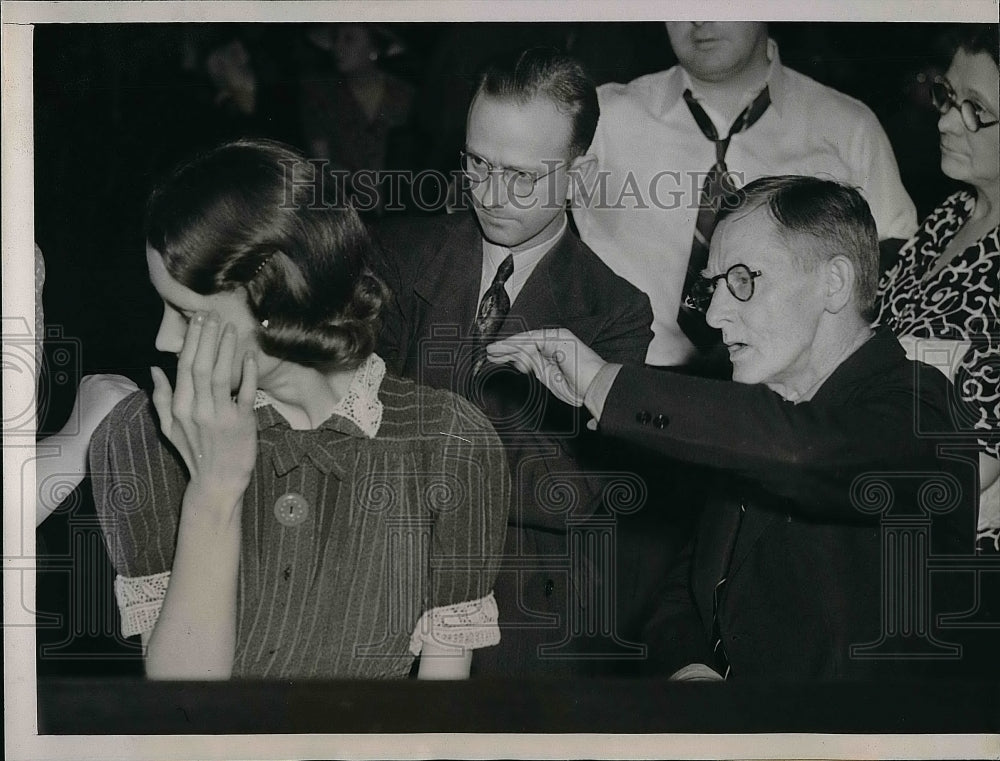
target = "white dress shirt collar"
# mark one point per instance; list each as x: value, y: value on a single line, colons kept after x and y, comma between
x: 525, y: 262
x: 674, y: 90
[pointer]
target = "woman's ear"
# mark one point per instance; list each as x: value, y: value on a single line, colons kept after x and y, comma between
x: 582, y: 171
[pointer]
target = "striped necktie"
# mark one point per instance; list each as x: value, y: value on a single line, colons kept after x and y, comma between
x: 718, y: 183
x: 492, y: 311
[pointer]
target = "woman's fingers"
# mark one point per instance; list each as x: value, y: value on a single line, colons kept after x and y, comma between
x: 222, y: 373
x: 203, y: 367
x: 248, y: 386
x: 184, y: 392
x: 163, y: 404
x: 215, y: 436
x: 162, y: 399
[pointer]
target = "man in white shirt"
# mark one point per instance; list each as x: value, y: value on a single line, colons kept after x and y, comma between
x: 639, y: 211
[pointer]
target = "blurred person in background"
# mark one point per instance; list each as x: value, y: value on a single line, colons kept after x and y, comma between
x: 238, y: 87
x: 356, y: 114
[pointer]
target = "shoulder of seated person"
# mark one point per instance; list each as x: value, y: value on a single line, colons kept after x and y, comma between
x: 408, y: 408
x: 822, y: 101
x: 134, y: 413
x: 614, y: 289
x: 395, y: 233
x: 437, y: 409
x: 638, y: 88
x: 135, y: 405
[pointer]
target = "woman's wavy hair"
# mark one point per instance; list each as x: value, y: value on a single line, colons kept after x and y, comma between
x: 973, y: 39
x: 253, y: 214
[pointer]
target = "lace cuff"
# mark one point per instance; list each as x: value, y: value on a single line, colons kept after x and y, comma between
x: 139, y: 600
x: 470, y: 625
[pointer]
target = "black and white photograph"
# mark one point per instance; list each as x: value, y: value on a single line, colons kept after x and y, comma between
x: 501, y: 380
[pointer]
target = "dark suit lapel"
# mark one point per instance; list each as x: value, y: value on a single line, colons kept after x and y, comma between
x: 446, y: 291
x: 753, y: 526
x: 535, y: 306
x: 554, y: 295
x: 717, y: 535
x: 448, y: 283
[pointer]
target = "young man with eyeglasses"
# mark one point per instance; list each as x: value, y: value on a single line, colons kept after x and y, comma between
x: 811, y: 557
x: 511, y: 264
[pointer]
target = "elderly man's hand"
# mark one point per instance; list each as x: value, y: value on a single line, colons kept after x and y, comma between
x: 561, y: 361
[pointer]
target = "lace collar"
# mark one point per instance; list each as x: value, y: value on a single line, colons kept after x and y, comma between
x: 360, y: 405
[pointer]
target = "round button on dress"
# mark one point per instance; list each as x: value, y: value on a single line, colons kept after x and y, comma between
x: 291, y: 509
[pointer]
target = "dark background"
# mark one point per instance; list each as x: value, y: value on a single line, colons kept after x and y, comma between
x: 115, y: 107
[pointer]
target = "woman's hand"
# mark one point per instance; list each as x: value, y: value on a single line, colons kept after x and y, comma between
x: 215, y: 434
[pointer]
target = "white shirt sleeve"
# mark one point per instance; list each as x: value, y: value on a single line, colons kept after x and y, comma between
x: 875, y: 171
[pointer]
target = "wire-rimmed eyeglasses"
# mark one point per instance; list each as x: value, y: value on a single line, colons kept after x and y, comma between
x: 974, y: 116
x: 518, y: 182
x: 739, y: 280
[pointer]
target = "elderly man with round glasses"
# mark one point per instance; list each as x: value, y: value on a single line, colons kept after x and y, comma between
x: 787, y: 577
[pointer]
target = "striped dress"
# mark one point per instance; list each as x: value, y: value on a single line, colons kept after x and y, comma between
x: 361, y: 539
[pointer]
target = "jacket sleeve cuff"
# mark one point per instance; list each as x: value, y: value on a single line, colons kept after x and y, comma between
x: 598, y: 391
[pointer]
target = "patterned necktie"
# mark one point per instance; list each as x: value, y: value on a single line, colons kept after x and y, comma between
x: 718, y: 184
x: 493, y: 310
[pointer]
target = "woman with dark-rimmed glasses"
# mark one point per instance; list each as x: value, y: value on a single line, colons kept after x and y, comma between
x: 942, y: 295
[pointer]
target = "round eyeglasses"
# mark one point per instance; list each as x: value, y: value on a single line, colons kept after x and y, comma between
x: 519, y: 182
x: 739, y: 280
x: 974, y: 116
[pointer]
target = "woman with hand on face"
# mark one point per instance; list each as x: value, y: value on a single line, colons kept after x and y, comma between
x: 942, y: 295
x: 287, y: 509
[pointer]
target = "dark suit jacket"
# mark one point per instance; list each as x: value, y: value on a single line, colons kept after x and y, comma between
x: 795, y: 522
x: 434, y: 268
